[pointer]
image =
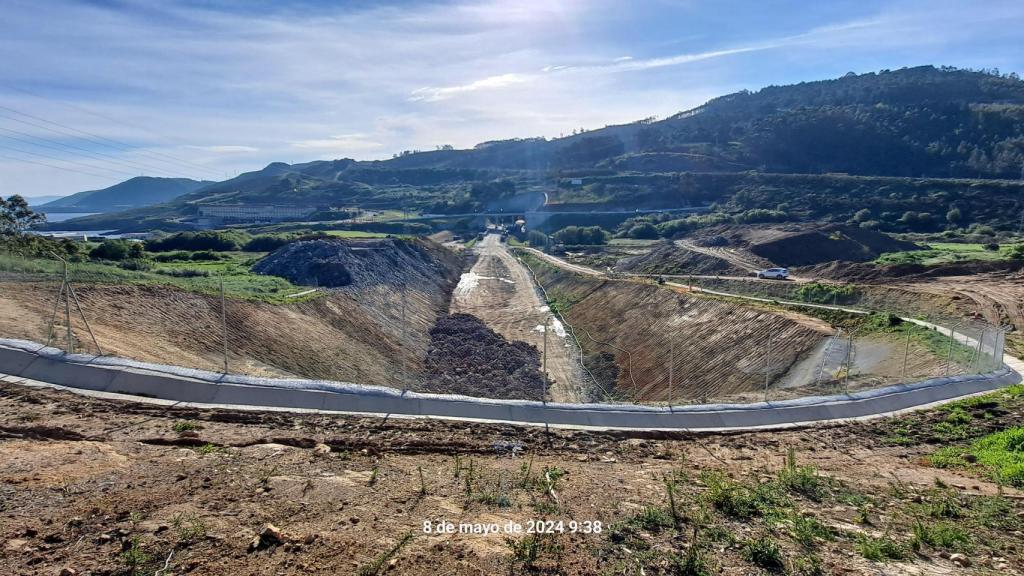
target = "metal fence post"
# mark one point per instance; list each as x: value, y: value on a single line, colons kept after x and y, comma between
x: 224, y: 324
x: 767, y: 366
x: 671, y: 367
x: 906, y: 355
x: 952, y: 340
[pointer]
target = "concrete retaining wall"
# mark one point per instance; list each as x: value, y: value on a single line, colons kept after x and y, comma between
x: 33, y: 361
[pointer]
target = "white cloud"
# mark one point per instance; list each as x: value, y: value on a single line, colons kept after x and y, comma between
x: 226, y: 149
x: 433, y: 94
x: 342, y: 143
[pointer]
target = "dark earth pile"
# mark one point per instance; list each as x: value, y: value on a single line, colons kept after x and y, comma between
x: 340, y: 262
x: 667, y: 258
x: 849, y: 243
x: 466, y: 357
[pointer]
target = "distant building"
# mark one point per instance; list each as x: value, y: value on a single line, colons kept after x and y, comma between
x: 576, y: 181
x: 250, y: 213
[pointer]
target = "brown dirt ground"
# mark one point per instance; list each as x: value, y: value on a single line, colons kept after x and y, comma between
x: 84, y: 480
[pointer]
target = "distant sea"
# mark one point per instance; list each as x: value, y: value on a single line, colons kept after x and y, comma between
x: 62, y: 216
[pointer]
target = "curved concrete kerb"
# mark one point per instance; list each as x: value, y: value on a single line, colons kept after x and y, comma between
x: 105, y: 374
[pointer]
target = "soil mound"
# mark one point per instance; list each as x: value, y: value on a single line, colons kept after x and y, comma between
x: 832, y: 243
x: 866, y: 273
x: 334, y: 263
x: 667, y: 258
x: 467, y: 357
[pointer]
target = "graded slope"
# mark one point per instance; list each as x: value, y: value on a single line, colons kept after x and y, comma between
x: 629, y: 331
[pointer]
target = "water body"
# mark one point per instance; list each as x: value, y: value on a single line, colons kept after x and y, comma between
x: 62, y: 216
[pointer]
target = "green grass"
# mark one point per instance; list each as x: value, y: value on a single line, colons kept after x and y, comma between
x: 202, y: 276
x: 1000, y: 454
x: 357, y: 234
x: 945, y: 253
x: 881, y: 548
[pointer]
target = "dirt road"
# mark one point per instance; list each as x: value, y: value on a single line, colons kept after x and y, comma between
x: 500, y: 291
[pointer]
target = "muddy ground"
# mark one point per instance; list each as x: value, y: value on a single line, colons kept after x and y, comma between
x: 500, y: 291
x: 107, y: 487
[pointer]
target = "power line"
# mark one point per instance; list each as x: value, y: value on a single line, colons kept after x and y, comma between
x: 116, y: 121
x: 52, y: 166
x: 89, y: 166
x: 57, y: 146
x: 95, y: 139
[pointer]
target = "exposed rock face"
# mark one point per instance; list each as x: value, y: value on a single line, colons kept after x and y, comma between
x: 336, y: 263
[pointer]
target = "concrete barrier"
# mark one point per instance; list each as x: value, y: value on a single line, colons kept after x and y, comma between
x: 107, y: 374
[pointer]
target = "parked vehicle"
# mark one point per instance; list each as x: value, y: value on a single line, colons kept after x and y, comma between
x: 777, y: 273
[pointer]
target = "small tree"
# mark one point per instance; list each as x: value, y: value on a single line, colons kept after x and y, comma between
x: 16, y: 216
x: 537, y: 239
x: 954, y: 215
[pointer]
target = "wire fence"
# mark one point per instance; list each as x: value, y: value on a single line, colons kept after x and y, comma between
x: 677, y: 344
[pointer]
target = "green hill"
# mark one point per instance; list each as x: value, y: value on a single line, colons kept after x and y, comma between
x: 133, y: 193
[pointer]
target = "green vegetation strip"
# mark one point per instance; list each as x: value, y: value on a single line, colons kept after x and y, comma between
x: 203, y: 277
x: 1000, y: 455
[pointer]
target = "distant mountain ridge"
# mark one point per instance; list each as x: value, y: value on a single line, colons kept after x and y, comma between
x: 922, y: 122
x: 137, y: 192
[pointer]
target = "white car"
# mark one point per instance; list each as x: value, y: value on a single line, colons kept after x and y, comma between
x: 778, y: 273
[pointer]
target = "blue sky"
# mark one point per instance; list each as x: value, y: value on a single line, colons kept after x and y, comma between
x: 206, y: 89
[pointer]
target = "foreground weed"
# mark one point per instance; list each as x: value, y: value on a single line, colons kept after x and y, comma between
x: 653, y: 519
x: 526, y: 551
x: 881, y: 548
x: 189, y: 527
x: 741, y: 501
x: 185, y: 426
x: 765, y: 552
x: 135, y: 558
x: 941, y: 536
x: 376, y: 566
x: 807, y: 530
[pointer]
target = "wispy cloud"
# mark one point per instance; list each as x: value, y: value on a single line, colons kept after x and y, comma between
x: 342, y: 143
x: 226, y: 149
x: 433, y: 94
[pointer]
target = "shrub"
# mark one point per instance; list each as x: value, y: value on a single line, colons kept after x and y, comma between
x: 136, y: 264
x: 581, y: 235
x: 644, y: 231
x: 117, y: 250
x: 265, y: 243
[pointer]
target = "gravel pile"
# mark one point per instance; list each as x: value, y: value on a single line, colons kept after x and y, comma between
x: 334, y: 263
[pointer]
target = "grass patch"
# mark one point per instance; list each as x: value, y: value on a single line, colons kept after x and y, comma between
x: 203, y: 277
x: 742, y: 501
x: 941, y: 536
x: 1001, y: 454
x: 880, y: 548
x: 946, y: 253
